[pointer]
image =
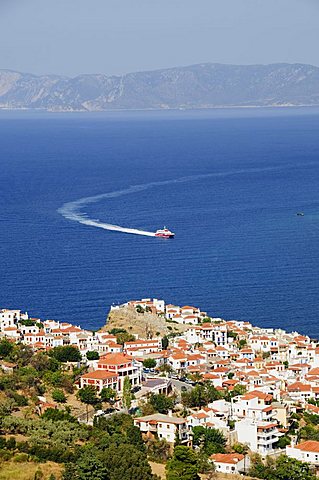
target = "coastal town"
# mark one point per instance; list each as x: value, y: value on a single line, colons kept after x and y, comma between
x: 255, y: 390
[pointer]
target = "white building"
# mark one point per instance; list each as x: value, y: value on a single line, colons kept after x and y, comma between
x: 9, y: 318
x: 255, y: 405
x: 306, y: 452
x: 230, y: 462
x: 259, y: 436
x: 100, y: 379
x: 164, y: 427
x: 124, y: 366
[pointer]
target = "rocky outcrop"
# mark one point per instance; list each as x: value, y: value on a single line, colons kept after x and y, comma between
x: 145, y: 325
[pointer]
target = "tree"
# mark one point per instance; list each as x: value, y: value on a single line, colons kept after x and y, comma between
x: 88, y: 467
x: 207, y: 320
x: 127, y: 393
x: 165, y: 342
x: 146, y: 408
x: 115, y: 331
x: 205, y: 465
x: 92, y: 355
x: 67, y: 353
x: 195, y: 377
x: 161, y: 403
x: 57, y: 415
x: 311, y: 418
x: 149, y: 363
x: 43, y: 363
x: 107, y: 394
x: 232, y: 334
x: 88, y: 396
x: 6, y: 348
x: 126, y: 462
x: 292, y: 469
x: 124, y: 337
x: 158, y: 450
x: 183, y: 465
x: 283, y: 441
x: 58, y: 396
x: 209, y: 440
x: 166, y: 368
x: 120, y: 427
x: 200, y: 395
x: 22, y: 354
x: 283, y: 468
x: 242, y: 343
x: 239, y: 390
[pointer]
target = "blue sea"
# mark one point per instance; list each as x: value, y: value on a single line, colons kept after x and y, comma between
x: 228, y: 182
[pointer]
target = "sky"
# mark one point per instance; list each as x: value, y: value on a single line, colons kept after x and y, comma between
x: 70, y: 37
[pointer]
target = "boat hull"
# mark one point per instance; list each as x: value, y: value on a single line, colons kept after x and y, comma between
x: 163, y: 235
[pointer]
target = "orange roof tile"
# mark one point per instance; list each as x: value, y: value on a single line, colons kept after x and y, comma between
x: 308, y: 446
x: 231, y: 458
x: 99, y: 375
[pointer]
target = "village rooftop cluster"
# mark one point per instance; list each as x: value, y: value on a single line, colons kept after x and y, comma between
x: 277, y: 371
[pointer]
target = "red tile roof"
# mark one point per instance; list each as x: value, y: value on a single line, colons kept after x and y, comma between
x: 308, y: 446
x: 100, y: 375
x: 231, y: 458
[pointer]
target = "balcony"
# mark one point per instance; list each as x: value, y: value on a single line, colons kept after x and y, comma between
x: 267, y: 433
x: 152, y: 428
x: 267, y: 441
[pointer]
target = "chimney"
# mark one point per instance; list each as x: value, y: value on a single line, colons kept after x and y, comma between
x: 170, y: 413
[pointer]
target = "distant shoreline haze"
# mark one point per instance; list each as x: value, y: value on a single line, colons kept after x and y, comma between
x: 201, y: 86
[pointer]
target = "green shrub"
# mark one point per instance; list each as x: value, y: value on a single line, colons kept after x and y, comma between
x: 92, y: 355
x: 58, y: 396
x: 5, y: 455
x: 20, y: 457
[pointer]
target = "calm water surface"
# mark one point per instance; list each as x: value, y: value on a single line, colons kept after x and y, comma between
x: 240, y: 251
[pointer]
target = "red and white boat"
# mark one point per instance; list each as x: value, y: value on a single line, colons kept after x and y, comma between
x: 164, y: 233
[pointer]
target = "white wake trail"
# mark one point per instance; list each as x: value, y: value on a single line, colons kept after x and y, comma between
x: 72, y: 210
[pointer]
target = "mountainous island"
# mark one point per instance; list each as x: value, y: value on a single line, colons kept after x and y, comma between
x: 205, y: 85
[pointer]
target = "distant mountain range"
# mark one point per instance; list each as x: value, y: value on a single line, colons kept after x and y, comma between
x: 205, y: 85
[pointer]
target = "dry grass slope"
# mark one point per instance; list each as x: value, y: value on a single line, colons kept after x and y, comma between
x: 27, y: 470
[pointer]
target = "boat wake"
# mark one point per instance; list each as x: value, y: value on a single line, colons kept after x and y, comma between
x: 73, y: 210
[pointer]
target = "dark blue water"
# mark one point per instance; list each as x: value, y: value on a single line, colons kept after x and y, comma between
x: 240, y: 251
